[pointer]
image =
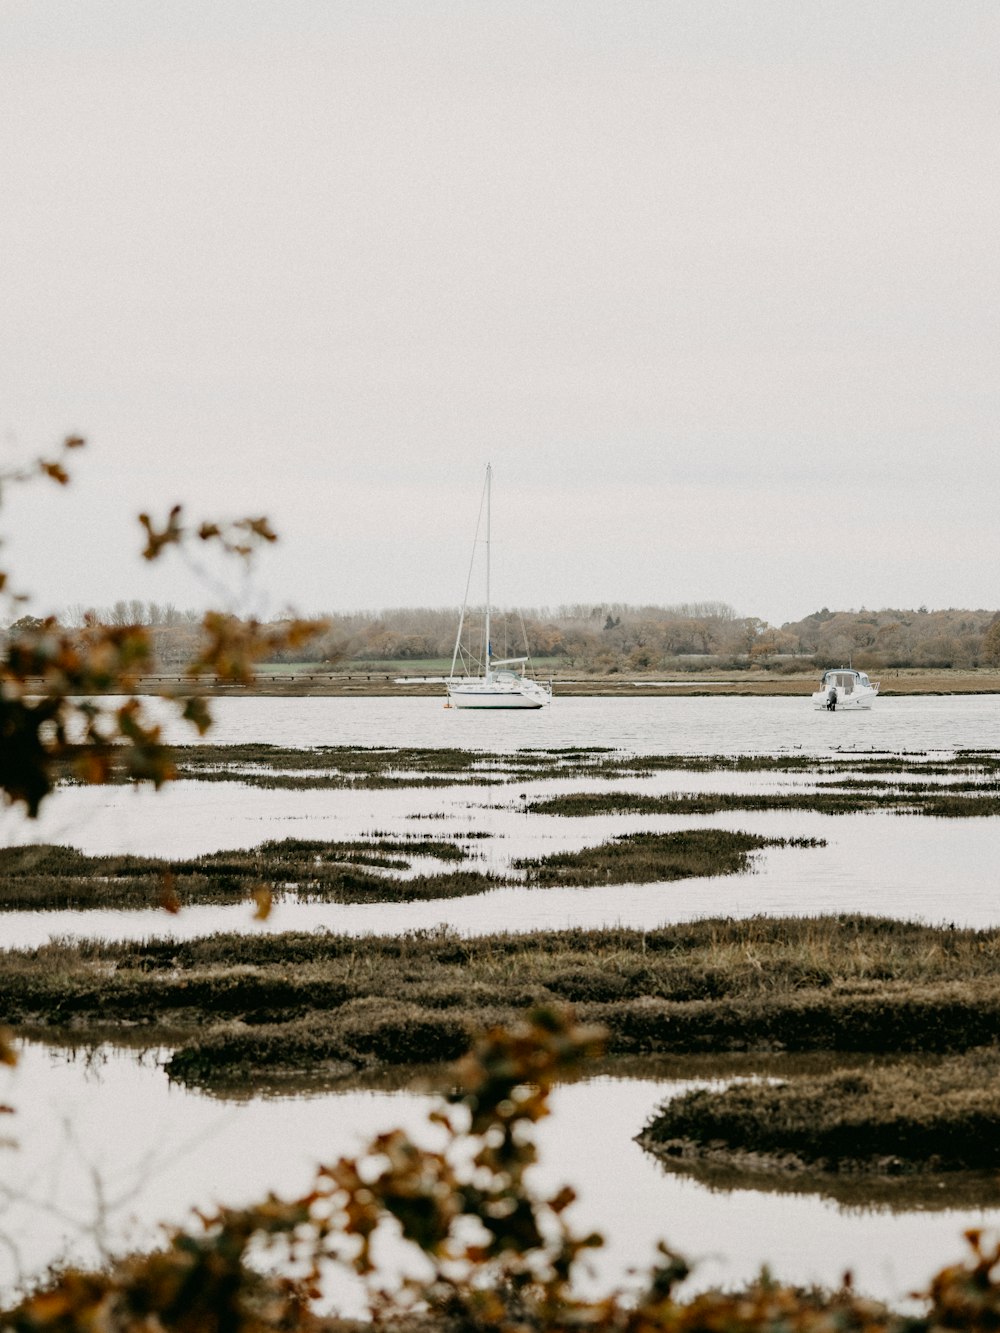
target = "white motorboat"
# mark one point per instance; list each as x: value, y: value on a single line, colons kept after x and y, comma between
x: 845, y: 688
x: 478, y: 679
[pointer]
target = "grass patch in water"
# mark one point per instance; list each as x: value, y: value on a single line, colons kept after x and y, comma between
x: 885, y: 1119
x: 961, y: 801
x: 644, y: 858
x: 380, y: 870
x: 582, y: 804
x: 273, y: 1002
x: 429, y: 1022
x: 54, y: 877
x: 374, y: 767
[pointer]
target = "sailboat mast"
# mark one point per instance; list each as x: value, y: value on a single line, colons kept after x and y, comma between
x: 489, y: 481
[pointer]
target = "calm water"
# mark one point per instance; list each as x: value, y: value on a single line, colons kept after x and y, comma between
x: 939, y: 870
x: 108, y: 1147
x: 666, y: 725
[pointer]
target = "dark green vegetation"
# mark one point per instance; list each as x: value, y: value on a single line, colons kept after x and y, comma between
x: 887, y: 1119
x: 384, y: 870
x: 646, y: 858
x: 336, y: 766
x: 957, y: 801
x: 60, y: 877
x: 374, y: 767
x: 242, y: 1005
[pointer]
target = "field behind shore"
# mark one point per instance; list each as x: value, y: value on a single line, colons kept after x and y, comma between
x: 419, y: 679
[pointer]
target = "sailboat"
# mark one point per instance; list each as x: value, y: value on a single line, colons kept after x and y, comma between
x: 501, y: 683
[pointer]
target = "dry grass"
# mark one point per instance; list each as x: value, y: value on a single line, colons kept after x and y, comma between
x: 940, y: 1116
x: 968, y: 802
x: 647, y: 858
x: 383, y: 869
x: 296, y: 1000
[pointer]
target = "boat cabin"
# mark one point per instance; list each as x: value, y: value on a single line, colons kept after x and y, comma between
x: 845, y: 680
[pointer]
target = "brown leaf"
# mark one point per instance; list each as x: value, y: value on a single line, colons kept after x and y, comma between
x: 196, y: 712
x: 169, y: 535
x: 169, y: 900
x: 54, y: 470
x: 8, y: 1055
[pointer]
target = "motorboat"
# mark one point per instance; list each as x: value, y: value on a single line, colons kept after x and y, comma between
x: 845, y: 688
x: 478, y: 679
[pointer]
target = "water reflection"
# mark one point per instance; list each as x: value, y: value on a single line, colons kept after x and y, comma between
x: 108, y: 1148
x: 853, y: 1193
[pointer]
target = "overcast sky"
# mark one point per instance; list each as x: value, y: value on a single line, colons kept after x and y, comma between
x: 712, y: 283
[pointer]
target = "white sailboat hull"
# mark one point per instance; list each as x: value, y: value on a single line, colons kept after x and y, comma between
x: 484, y: 693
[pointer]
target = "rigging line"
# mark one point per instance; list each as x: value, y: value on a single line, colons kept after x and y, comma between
x: 524, y: 636
x: 468, y: 581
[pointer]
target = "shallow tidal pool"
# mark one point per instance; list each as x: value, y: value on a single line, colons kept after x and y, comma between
x: 107, y: 1149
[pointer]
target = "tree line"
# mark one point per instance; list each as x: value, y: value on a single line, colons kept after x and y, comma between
x: 602, y: 638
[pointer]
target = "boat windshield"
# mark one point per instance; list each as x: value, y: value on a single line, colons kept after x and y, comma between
x: 843, y: 680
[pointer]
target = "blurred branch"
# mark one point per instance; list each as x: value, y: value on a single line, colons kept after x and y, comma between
x: 51, y: 678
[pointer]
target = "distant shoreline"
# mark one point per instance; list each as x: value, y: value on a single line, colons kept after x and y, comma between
x: 358, y: 683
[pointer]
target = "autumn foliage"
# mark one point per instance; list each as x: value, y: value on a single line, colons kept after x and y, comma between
x: 52, y: 679
x: 497, y: 1256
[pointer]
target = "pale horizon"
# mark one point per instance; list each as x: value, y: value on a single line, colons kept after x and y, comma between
x: 713, y: 286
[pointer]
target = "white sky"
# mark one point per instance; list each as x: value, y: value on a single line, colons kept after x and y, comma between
x: 713, y: 283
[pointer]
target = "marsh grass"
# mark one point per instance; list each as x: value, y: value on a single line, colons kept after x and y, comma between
x: 381, y: 870
x: 885, y: 1119
x: 643, y: 858
x: 47, y: 876
x: 582, y: 804
x: 276, y: 1002
x: 853, y: 797
x: 376, y: 767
